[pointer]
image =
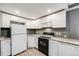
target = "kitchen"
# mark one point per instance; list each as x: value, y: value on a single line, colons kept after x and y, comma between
x: 39, y: 29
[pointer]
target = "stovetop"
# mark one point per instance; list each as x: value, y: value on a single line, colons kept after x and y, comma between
x: 45, y: 37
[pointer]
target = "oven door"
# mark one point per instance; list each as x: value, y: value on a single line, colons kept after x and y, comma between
x: 43, y: 45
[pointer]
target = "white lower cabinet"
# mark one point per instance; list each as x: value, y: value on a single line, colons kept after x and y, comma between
x: 76, y: 51
x: 62, y: 49
x: 36, y: 42
x: 5, y: 47
x: 65, y: 49
x: 53, y: 48
x: 31, y: 43
x: 68, y: 50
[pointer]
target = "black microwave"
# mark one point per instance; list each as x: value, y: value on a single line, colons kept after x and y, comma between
x: 5, y: 32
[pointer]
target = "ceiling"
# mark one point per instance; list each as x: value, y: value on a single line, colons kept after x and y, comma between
x: 31, y: 10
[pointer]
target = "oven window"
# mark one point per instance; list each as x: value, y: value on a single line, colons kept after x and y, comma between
x: 42, y: 43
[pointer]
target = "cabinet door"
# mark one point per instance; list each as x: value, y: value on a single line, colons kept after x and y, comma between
x: 53, y: 48
x: 28, y: 23
x: 14, y: 18
x: 31, y: 42
x: 36, y: 42
x: 6, y: 20
x: 5, y: 48
x: 66, y: 49
x: 49, y: 21
x: 59, y: 19
x: 36, y: 24
x: 43, y: 22
x: 76, y: 50
x: 22, y: 20
x: 46, y: 21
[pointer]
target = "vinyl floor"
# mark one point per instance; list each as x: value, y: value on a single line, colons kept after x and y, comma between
x: 31, y: 52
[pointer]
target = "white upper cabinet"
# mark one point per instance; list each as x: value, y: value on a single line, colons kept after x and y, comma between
x: 18, y: 19
x: 33, y: 24
x: 14, y: 18
x: 28, y: 24
x: 49, y: 21
x: 37, y: 24
x: 59, y: 19
x: 46, y: 22
x: 23, y: 21
x: 5, y: 20
x: 43, y: 22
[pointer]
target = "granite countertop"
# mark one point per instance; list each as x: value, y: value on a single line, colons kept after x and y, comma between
x: 60, y: 39
x: 37, y: 35
x: 66, y: 40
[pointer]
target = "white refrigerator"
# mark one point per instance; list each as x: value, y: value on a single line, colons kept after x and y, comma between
x: 18, y: 38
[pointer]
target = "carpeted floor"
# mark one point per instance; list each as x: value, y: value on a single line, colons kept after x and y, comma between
x: 31, y: 52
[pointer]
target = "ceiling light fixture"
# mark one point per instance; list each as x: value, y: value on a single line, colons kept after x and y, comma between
x: 48, y: 10
x: 17, y: 11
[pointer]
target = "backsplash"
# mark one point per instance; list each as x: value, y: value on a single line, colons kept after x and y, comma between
x: 58, y: 32
x: 31, y: 31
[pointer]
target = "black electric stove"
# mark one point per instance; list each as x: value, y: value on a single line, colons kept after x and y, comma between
x: 43, y: 45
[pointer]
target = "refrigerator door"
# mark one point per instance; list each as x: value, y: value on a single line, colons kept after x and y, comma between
x: 18, y: 38
x: 18, y: 29
x: 19, y: 43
